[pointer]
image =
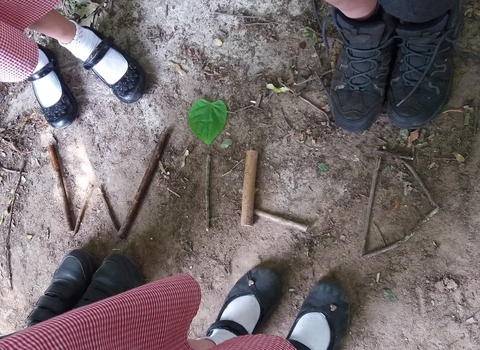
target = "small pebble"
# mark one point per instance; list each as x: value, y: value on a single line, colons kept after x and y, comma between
x: 251, y: 283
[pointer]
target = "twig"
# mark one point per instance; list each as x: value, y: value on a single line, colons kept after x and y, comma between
x: 241, y: 109
x: 394, y: 155
x: 475, y: 123
x: 144, y: 185
x: 109, y: 208
x: 366, y: 227
x: 228, y: 172
x: 81, y: 213
x: 311, y: 104
x: 382, y: 250
x: 207, y: 192
x: 381, y: 234
x: 422, y: 184
x: 453, y: 111
x: 61, y: 186
x: 8, y: 245
x: 13, y: 171
x: 261, y: 23
x: 233, y: 15
x: 174, y: 193
x: 280, y: 220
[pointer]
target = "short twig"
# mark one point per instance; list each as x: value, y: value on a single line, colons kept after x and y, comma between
x: 109, y: 208
x: 207, y: 192
x: 394, y: 155
x: 174, y: 193
x: 475, y: 123
x: 228, y: 172
x: 241, y: 109
x: 368, y: 215
x: 234, y: 15
x: 81, y: 213
x: 13, y: 171
x: 381, y: 234
x: 453, y: 111
x: 262, y: 23
x: 9, y: 232
x: 279, y: 220
x: 422, y: 184
x: 311, y: 104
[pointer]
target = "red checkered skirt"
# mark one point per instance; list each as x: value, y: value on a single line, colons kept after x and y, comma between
x: 18, y: 54
x: 154, y: 316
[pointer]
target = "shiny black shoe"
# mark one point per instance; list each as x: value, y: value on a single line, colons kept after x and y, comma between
x: 358, y: 87
x: 116, y: 275
x: 132, y: 85
x: 423, y: 75
x: 265, y: 285
x: 69, y: 283
x: 65, y: 111
x: 329, y: 299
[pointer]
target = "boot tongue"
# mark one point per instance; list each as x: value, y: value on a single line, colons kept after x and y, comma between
x: 420, y: 35
x: 362, y: 35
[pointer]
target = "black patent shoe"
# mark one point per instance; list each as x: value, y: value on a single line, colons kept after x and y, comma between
x: 65, y: 111
x: 69, y: 283
x: 329, y: 299
x: 265, y: 285
x: 131, y: 86
x: 116, y: 275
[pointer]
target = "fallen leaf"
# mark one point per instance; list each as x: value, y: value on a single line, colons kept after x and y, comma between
x: 184, y: 158
x: 217, y: 42
x: 389, y: 295
x: 177, y: 67
x: 322, y: 167
x: 396, y: 204
x: 277, y: 90
x: 226, y: 143
x: 459, y: 157
x: 412, y: 137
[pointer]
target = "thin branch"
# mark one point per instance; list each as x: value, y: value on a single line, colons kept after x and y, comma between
x: 109, y: 208
x: 228, y: 172
x: 311, y: 104
x: 422, y: 184
x: 81, y: 213
x: 241, y: 109
x: 13, y: 171
x: 234, y: 15
x: 8, y: 245
x: 207, y: 192
x: 174, y: 193
x: 368, y: 216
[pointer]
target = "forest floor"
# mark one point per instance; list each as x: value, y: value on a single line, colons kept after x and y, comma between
x: 422, y: 295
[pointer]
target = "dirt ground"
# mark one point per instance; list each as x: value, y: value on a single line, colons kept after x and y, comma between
x: 422, y: 295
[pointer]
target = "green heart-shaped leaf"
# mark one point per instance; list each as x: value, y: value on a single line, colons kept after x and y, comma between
x: 207, y: 119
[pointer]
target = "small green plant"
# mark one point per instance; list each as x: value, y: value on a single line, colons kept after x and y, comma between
x: 207, y: 119
x: 308, y: 32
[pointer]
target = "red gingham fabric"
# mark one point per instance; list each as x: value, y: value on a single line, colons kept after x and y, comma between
x: 18, y: 54
x: 155, y: 316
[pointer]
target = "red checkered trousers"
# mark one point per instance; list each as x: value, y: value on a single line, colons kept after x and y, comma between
x: 154, y: 316
x: 18, y: 54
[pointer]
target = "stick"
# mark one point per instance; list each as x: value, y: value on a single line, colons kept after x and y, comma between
x: 382, y: 250
x: 475, y: 123
x: 61, y: 186
x: 422, y: 184
x: 11, y: 170
x: 81, y: 213
x: 394, y: 155
x: 368, y: 216
x: 109, y: 208
x: 317, y: 108
x: 248, y: 198
x: 280, y: 220
x: 174, y: 193
x: 233, y: 15
x: 8, y: 245
x: 144, y: 185
x: 228, y: 172
x: 207, y: 192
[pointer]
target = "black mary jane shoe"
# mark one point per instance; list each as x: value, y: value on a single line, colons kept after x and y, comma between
x: 265, y: 285
x: 69, y: 283
x: 328, y: 298
x: 131, y: 86
x: 65, y: 111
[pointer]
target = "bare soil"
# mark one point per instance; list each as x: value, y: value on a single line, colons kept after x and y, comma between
x: 434, y: 276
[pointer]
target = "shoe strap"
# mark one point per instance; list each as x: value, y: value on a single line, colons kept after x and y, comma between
x: 231, y: 326
x: 298, y: 345
x: 98, y: 53
x: 47, y: 69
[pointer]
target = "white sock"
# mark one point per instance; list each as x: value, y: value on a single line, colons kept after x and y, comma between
x: 48, y: 88
x: 111, y: 67
x: 244, y: 310
x: 313, y: 331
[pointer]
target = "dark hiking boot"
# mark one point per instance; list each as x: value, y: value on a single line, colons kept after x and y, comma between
x: 116, y: 275
x: 69, y: 283
x: 359, y: 82
x: 422, y: 78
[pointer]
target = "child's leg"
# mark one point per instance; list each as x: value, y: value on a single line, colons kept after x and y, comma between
x: 56, y: 26
x: 355, y: 9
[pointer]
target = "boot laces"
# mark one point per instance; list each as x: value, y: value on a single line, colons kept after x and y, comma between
x: 427, y: 51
